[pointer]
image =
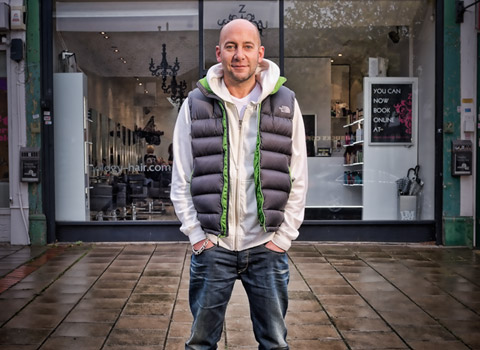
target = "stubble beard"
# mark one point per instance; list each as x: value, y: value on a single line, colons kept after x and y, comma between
x: 240, y: 78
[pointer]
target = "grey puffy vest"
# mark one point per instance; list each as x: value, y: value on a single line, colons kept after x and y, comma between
x: 210, y: 148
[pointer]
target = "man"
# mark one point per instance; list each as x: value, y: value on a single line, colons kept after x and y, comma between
x: 238, y: 187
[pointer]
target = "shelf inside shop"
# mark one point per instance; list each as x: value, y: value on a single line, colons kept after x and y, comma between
x: 359, y: 121
x: 354, y: 143
x: 353, y: 164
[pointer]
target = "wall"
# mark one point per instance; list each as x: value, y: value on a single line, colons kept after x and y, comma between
x: 384, y: 164
x: 37, y: 219
x: 70, y: 171
x: 468, y: 81
x: 4, y: 174
x: 424, y: 56
x: 325, y: 185
x: 310, y: 78
x: 19, y: 203
x: 116, y: 99
x: 457, y: 228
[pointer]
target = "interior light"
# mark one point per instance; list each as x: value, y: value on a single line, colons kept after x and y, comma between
x: 103, y: 33
x: 340, y: 55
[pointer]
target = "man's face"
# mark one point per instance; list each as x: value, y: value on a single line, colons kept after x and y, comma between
x: 240, y: 52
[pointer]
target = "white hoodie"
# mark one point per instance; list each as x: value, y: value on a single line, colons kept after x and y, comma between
x: 244, y: 230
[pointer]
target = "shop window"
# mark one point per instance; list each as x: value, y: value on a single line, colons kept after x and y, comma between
x: 131, y: 103
x: 330, y: 52
x: 4, y: 171
x: 332, y: 49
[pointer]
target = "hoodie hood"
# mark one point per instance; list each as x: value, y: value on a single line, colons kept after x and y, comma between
x: 267, y: 75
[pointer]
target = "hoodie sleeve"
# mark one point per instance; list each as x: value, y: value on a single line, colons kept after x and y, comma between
x: 295, y: 207
x: 181, y: 176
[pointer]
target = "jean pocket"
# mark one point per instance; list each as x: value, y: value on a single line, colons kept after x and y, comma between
x: 272, y: 251
x: 211, y: 248
x: 206, y: 250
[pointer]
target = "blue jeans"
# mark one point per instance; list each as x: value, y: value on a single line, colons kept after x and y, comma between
x: 264, y: 275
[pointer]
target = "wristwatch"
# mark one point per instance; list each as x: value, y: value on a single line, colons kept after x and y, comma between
x: 202, y: 248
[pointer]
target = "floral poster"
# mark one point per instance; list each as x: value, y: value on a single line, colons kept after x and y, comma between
x: 391, y: 113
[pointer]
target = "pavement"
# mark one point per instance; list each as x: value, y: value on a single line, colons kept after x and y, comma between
x: 342, y: 296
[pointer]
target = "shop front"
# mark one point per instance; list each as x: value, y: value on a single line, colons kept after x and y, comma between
x: 363, y: 73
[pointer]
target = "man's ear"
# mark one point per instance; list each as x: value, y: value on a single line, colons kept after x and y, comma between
x: 261, y: 53
x: 217, y: 53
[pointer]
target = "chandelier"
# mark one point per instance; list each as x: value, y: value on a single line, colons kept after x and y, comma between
x: 175, y: 89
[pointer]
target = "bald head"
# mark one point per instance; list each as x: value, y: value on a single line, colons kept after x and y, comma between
x: 241, y: 25
x: 240, y: 52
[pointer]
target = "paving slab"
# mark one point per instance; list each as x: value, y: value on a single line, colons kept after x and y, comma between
x: 342, y: 296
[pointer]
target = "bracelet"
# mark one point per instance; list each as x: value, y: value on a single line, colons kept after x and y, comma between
x: 202, y: 248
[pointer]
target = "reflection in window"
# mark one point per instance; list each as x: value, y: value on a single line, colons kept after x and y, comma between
x: 330, y: 47
x: 264, y: 14
x: 132, y: 111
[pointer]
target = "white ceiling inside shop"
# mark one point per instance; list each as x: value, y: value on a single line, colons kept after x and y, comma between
x: 98, y: 55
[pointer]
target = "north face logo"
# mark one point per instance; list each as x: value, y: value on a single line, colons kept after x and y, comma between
x: 284, y: 109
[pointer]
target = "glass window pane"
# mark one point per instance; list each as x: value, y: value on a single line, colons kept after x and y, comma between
x: 330, y: 48
x: 133, y: 99
x: 264, y: 14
